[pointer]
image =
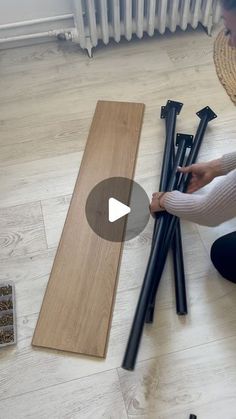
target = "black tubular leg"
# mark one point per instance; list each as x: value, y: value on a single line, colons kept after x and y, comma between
x: 156, y: 264
x: 192, y: 416
x: 180, y: 287
x: 178, y: 264
x: 179, y: 271
x: 169, y: 112
x: 205, y: 115
x: 144, y: 298
x: 160, y: 236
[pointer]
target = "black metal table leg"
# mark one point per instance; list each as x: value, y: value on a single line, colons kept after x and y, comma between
x: 178, y: 265
x: 205, y: 115
x: 156, y: 264
x: 177, y: 252
x: 169, y: 112
x: 139, y: 320
x: 179, y: 274
x: 151, y: 305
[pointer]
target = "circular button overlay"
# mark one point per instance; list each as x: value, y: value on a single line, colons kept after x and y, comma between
x: 117, y: 209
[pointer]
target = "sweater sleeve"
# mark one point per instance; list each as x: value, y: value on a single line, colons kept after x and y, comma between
x: 228, y: 162
x: 211, y: 209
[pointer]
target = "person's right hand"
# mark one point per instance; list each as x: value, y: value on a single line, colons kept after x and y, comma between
x: 201, y: 174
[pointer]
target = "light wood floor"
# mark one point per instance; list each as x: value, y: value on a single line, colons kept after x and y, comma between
x: 48, y: 95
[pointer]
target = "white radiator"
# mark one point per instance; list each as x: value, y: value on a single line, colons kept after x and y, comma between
x: 91, y: 20
x: 105, y: 19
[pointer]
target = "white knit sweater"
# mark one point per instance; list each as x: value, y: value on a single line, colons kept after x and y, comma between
x: 212, y: 208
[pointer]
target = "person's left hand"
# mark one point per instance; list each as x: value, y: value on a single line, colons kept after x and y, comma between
x: 155, y: 203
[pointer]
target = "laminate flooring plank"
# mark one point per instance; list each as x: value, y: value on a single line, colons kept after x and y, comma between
x: 85, y: 398
x: 199, y: 380
x: 76, y: 311
x: 39, y: 179
x: 209, y: 296
x: 45, y: 141
x: 21, y: 230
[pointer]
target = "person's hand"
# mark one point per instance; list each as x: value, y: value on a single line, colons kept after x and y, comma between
x: 201, y: 174
x: 157, y: 203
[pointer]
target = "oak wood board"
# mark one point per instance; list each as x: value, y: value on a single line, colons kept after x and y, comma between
x: 77, y: 307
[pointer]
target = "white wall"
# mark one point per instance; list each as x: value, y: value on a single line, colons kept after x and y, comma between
x: 44, y: 16
x: 12, y: 11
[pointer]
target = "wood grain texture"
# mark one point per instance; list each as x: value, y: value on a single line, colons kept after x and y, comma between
x: 21, y: 230
x: 191, y: 381
x: 95, y: 400
x: 37, y: 179
x: 77, y: 306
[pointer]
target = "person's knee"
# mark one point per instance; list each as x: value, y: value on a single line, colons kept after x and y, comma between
x: 216, y: 252
x: 223, y: 256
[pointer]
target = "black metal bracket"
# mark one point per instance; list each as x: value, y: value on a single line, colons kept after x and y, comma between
x: 207, y: 111
x: 171, y: 104
x: 163, y: 112
x: 186, y: 137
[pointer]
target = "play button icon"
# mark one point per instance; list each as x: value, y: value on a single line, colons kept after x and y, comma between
x: 117, y: 209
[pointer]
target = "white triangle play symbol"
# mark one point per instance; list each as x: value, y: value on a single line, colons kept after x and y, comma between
x: 116, y: 210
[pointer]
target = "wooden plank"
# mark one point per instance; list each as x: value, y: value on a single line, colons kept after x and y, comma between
x: 76, y: 311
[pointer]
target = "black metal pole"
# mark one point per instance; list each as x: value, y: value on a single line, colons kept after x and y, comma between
x: 205, y: 115
x: 192, y: 416
x: 178, y: 260
x: 179, y: 274
x: 137, y: 327
x: 179, y: 271
x: 169, y: 112
x: 156, y: 264
x: 178, y: 264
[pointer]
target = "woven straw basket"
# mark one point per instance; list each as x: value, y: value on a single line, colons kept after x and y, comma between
x: 225, y: 62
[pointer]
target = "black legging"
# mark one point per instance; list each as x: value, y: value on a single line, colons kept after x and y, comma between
x: 223, y: 256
